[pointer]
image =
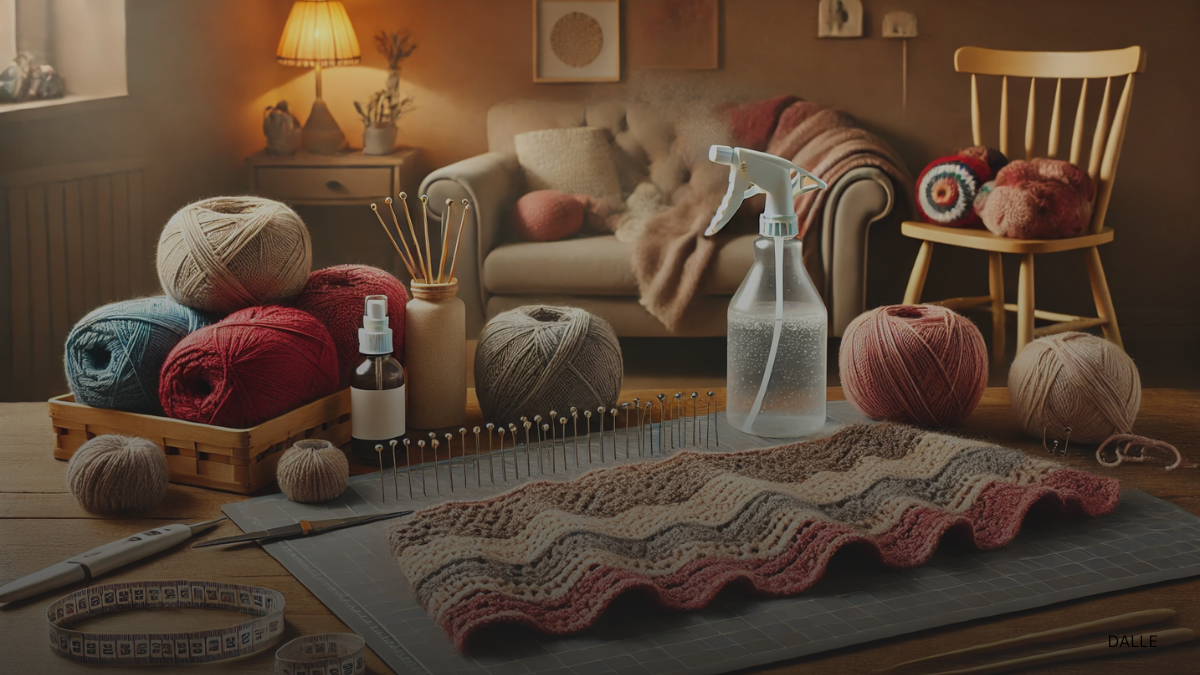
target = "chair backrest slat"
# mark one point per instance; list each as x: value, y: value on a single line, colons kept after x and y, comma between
x: 1077, y: 130
x: 1107, y: 137
x: 1031, y: 119
x: 1055, y: 121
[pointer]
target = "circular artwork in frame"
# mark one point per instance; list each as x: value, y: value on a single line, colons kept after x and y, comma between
x: 576, y: 41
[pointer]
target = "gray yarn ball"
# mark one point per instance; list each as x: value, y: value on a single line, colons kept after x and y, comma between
x: 538, y: 358
x: 118, y: 474
x: 313, y: 471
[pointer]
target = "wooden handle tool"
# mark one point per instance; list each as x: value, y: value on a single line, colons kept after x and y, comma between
x: 1166, y: 638
x: 1107, y: 624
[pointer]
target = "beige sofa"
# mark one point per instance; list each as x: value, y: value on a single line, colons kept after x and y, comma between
x: 497, y: 274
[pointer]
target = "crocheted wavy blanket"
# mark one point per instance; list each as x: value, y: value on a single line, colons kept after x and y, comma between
x: 553, y: 555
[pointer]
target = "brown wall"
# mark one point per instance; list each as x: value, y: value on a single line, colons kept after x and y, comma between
x: 200, y: 74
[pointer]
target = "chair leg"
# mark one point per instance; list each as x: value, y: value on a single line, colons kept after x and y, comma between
x: 1025, y: 303
x: 996, y: 290
x: 916, y: 280
x: 1104, y: 304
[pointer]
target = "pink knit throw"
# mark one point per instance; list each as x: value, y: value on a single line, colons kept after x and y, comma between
x: 553, y: 556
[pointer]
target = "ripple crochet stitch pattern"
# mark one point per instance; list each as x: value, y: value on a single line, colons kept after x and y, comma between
x: 553, y: 555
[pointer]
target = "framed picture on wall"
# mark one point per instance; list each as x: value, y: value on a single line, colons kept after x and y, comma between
x: 576, y: 41
x: 674, y: 34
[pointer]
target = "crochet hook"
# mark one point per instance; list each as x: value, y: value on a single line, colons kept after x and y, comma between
x: 1107, y: 624
x: 1166, y: 638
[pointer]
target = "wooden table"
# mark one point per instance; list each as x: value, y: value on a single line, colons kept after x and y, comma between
x: 41, y: 524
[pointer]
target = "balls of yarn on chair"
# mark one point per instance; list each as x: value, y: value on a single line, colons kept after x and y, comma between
x: 335, y: 297
x: 118, y: 474
x: 1074, y: 380
x: 538, y: 358
x: 114, y: 354
x: 947, y: 187
x: 222, y: 254
x: 1038, y: 199
x: 255, y: 364
x: 313, y: 471
x: 917, y: 364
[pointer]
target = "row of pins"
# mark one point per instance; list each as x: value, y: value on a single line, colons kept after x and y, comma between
x: 547, y: 447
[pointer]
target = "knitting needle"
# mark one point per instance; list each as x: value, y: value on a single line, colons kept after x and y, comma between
x: 601, y: 410
x: 625, y: 407
x: 545, y: 437
x: 478, y: 483
x: 400, y: 253
x: 428, y: 254
x: 445, y: 236
x: 588, y: 416
x: 437, y: 477
x: 1166, y: 638
x: 613, y: 412
x: 553, y: 442
x: 416, y: 242
x: 382, y: 490
x: 662, y: 423
x: 462, y: 436
x: 408, y: 467
x: 649, y: 433
x: 528, y: 464
x: 454, y: 262
x: 1111, y: 624
x: 395, y: 480
x: 695, y: 421
x: 491, y: 465
x: 400, y: 233
x: 562, y: 421
x: 676, y: 424
x: 503, y: 466
x: 575, y: 432
x: 450, y: 459
x: 421, y: 447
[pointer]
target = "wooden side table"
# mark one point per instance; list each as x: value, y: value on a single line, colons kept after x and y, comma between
x: 331, y: 180
x: 331, y: 193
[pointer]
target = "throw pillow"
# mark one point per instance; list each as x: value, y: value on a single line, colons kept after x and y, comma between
x: 1038, y: 199
x: 547, y: 215
x: 577, y: 160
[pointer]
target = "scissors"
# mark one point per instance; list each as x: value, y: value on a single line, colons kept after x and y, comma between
x: 304, y: 528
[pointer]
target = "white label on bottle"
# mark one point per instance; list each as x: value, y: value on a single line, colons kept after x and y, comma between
x: 377, y: 414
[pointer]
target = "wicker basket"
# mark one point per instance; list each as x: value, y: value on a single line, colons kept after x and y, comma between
x: 234, y: 460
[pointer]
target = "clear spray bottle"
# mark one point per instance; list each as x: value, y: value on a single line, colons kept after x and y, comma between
x: 778, y: 325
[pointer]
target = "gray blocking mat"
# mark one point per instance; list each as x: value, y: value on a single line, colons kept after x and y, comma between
x: 1145, y: 541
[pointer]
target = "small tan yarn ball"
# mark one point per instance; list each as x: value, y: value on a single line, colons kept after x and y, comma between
x: 118, y: 474
x: 313, y: 471
x: 223, y: 254
x: 1075, y: 380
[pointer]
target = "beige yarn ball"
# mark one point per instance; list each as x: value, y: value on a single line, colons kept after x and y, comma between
x: 1074, y: 380
x: 538, y: 358
x: 313, y: 471
x: 118, y: 474
x: 222, y: 254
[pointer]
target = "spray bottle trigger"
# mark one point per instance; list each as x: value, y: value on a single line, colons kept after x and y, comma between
x: 740, y: 187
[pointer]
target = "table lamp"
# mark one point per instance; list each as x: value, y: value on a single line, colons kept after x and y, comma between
x: 318, y: 34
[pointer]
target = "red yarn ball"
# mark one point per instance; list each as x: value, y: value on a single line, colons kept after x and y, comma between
x: 917, y: 364
x: 335, y: 297
x: 255, y: 364
x: 1038, y: 199
x: 548, y: 215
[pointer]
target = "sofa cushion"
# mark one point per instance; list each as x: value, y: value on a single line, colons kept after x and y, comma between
x: 576, y: 161
x: 596, y: 266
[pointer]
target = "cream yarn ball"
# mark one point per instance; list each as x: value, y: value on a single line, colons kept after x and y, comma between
x: 1075, y: 380
x: 118, y: 474
x: 223, y: 254
x: 313, y: 471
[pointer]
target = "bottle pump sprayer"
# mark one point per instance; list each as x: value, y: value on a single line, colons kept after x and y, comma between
x: 777, y: 322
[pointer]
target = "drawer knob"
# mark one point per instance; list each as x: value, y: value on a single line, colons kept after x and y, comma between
x: 335, y: 186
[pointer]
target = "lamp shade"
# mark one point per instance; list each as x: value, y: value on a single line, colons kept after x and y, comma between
x: 318, y: 33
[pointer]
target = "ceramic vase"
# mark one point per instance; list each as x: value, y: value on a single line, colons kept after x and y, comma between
x: 435, y: 354
x: 379, y: 140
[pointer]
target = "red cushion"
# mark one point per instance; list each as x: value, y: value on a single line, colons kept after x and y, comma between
x: 547, y: 215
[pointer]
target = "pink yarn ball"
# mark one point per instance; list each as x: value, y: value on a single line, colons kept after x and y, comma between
x: 916, y: 364
x: 1038, y: 199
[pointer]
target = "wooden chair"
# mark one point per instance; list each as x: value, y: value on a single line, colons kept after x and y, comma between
x: 1101, y: 166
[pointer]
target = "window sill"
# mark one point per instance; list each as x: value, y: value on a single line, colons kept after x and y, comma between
x: 68, y: 105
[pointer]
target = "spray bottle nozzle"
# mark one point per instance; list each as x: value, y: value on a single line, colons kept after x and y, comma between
x: 375, y: 336
x: 752, y: 172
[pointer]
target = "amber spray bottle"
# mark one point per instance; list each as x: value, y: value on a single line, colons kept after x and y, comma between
x: 376, y: 388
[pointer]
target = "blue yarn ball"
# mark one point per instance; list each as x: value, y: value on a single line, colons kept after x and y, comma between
x: 115, y: 353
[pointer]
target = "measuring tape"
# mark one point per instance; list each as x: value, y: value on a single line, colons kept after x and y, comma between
x: 328, y: 654
x: 129, y: 649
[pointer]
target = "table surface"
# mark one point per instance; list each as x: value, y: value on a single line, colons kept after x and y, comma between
x: 41, y: 524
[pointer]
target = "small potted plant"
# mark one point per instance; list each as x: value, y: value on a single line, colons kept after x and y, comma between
x: 381, y: 114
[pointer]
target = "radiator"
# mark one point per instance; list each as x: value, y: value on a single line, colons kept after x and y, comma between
x: 74, y: 238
